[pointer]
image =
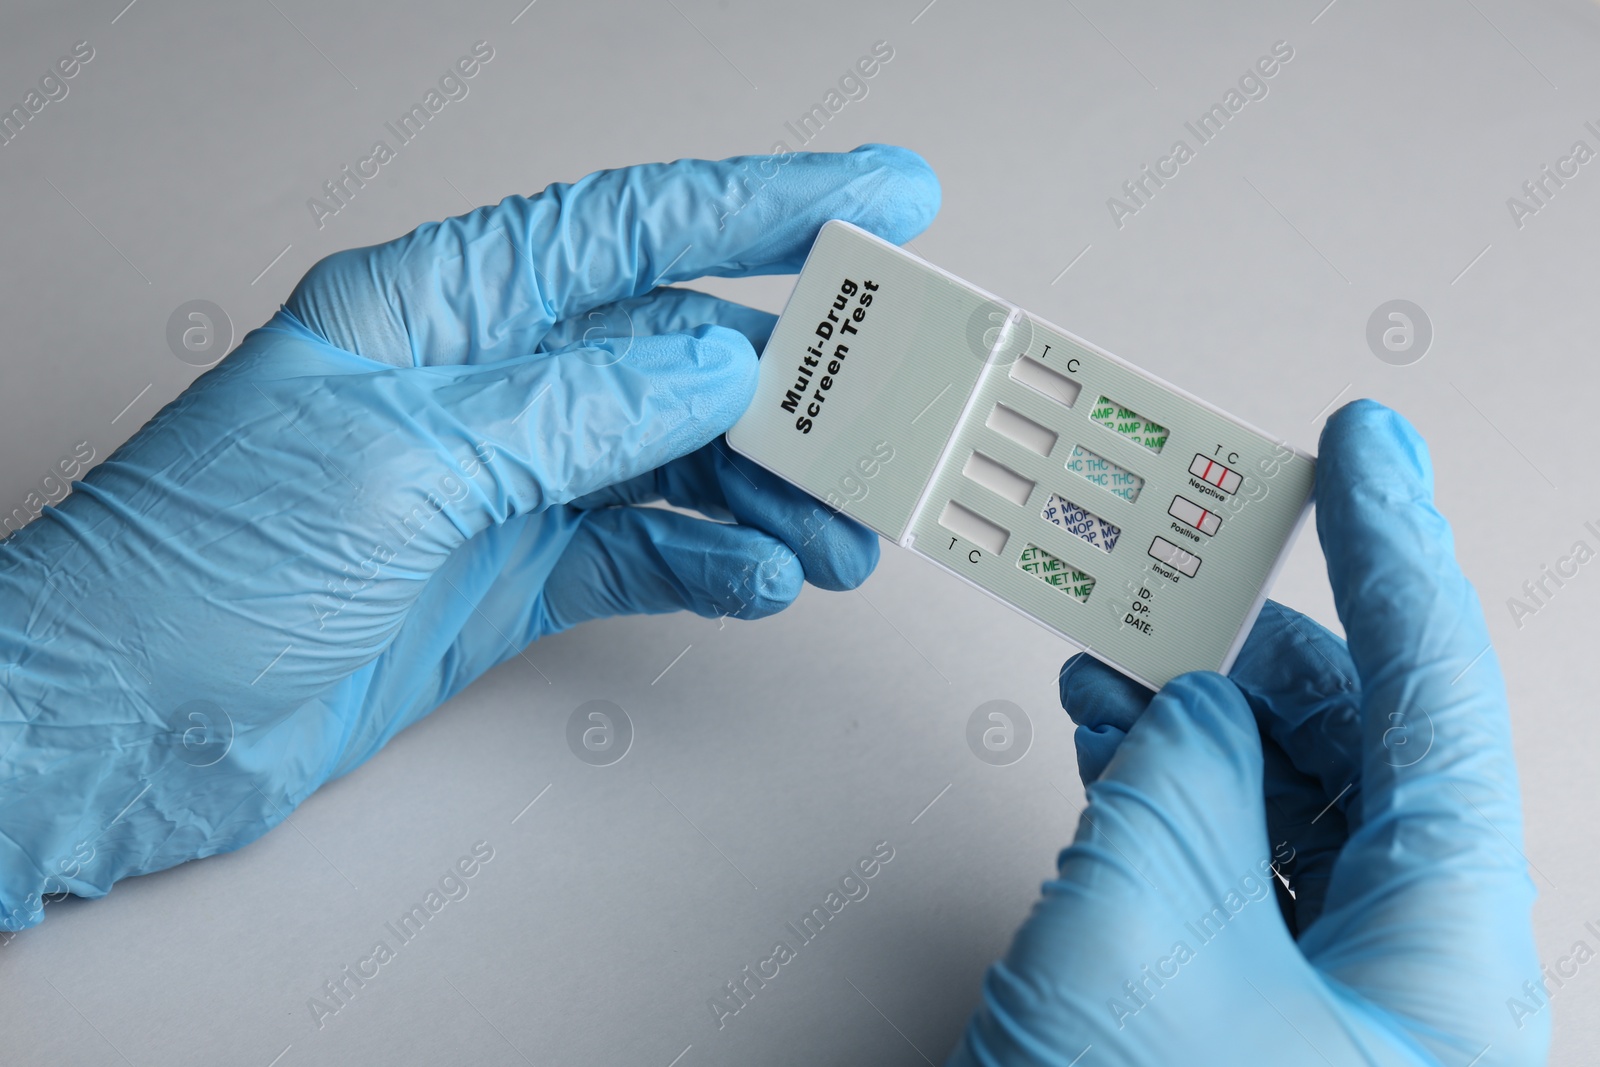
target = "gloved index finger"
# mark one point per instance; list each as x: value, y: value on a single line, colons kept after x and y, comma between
x: 1432, y: 696
x: 1440, y: 797
x: 487, y: 285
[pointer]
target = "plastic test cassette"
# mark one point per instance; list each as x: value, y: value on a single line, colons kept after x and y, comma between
x: 1135, y: 520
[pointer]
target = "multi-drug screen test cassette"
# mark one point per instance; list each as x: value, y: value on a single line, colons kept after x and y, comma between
x: 1135, y: 520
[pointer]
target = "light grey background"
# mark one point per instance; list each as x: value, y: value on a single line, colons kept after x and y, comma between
x: 770, y: 756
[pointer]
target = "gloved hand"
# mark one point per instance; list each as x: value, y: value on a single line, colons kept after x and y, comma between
x: 428, y: 458
x: 1377, y: 779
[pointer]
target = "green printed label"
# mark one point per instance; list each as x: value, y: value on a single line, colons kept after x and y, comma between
x: 1057, y: 572
x: 1129, y: 423
x: 1104, y: 473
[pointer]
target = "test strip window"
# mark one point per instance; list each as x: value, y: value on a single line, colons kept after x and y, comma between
x: 964, y: 522
x: 1021, y: 429
x: 1213, y: 473
x: 999, y: 479
x: 1042, y: 379
x: 1057, y: 572
x: 1104, y: 473
x: 1173, y: 556
x: 1081, y: 522
x: 1187, y: 511
x: 1129, y: 423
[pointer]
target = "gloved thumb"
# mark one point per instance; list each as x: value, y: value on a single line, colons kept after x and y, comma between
x: 1170, y: 865
x: 524, y: 434
x: 1180, y: 807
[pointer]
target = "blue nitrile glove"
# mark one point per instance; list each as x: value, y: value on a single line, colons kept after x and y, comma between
x: 429, y: 458
x: 1377, y: 779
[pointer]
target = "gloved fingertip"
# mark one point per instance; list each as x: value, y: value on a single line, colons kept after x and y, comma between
x: 846, y: 557
x: 911, y: 206
x: 1095, y: 745
x: 719, y: 380
x: 1365, y: 433
x: 1093, y: 694
x: 725, y: 349
x: 770, y: 584
x: 1064, y: 682
x: 837, y: 552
